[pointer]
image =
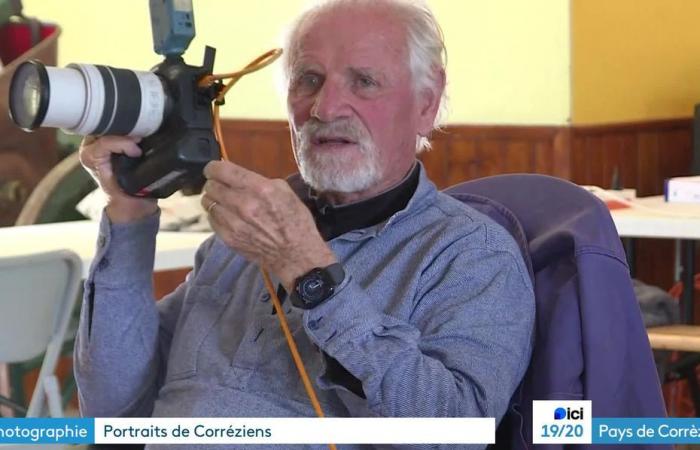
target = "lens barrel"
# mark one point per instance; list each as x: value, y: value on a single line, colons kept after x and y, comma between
x: 87, y: 99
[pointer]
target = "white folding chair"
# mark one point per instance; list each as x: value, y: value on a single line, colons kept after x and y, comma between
x: 37, y: 296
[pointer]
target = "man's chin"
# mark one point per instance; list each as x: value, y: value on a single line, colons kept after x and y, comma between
x: 339, y: 179
x: 341, y: 159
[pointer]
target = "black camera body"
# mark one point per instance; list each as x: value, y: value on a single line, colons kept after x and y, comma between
x: 174, y: 157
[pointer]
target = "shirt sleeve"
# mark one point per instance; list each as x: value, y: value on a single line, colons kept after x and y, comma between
x: 461, y: 353
x: 124, y: 335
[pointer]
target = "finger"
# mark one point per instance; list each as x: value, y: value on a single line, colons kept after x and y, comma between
x: 216, y: 226
x: 100, y: 150
x: 238, y: 205
x: 216, y: 191
x: 223, y: 224
x: 207, y: 203
x: 121, y: 144
x: 232, y: 174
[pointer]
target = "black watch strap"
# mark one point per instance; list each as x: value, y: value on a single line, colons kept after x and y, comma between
x: 337, y: 273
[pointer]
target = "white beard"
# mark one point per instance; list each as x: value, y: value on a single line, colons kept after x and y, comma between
x: 341, y: 171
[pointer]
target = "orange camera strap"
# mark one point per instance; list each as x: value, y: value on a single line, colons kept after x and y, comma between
x: 257, y: 64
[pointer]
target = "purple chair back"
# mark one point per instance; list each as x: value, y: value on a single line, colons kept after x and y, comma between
x: 590, y: 342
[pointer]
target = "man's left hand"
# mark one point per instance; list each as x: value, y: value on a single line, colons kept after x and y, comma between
x: 264, y: 221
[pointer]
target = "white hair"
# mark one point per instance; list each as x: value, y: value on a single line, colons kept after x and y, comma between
x: 427, y: 55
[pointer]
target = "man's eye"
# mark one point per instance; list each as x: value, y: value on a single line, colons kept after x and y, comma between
x: 365, y: 82
x: 308, y: 82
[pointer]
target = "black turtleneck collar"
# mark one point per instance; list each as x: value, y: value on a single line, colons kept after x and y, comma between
x: 332, y: 221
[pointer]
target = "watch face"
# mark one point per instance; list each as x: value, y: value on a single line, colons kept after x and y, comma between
x: 312, y: 289
x: 317, y: 285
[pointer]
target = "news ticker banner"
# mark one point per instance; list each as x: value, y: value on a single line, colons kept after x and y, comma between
x: 248, y: 431
x: 571, y: 422
x: 554, y: 422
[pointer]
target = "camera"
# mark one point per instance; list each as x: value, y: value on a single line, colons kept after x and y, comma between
x: 165, y: 106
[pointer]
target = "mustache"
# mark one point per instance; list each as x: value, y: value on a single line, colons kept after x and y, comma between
x: 314, y: 130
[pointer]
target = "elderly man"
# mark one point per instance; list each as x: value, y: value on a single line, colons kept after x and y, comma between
x: 403, y: 301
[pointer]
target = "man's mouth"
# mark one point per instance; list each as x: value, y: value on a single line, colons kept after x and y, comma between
x: 332, y: 140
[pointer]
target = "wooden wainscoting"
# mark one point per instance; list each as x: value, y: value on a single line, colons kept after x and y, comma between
x: 261, y: 146
x: 465, y: 152
x: 645, y: 153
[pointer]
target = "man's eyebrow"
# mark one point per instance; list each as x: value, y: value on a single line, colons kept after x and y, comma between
x: 301, y: 67
x: 373, y: 72
x: 365, y: 70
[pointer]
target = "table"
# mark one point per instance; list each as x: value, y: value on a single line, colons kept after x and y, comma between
x: 174, y: 250
x: 685, y: 338
x: 652, y: 217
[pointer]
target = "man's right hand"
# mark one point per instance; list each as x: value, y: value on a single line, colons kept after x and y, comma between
x: 96, y: 157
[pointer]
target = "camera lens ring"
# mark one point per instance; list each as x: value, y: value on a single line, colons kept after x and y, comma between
x: 44, y: 93
x: 123, y: 98
x: 108, y: 108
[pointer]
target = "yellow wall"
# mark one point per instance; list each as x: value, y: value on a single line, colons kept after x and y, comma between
x: 508, y: 59
x: 634, y: 60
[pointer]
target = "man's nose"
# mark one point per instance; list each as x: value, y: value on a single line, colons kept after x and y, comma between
x: 330, y: 103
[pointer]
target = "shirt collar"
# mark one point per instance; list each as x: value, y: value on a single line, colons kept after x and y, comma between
x: 332, y: 221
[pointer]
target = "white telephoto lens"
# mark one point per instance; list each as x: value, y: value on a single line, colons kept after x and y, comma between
x: 88, y: 99
x: 106, y: 100
x: 67, y: 98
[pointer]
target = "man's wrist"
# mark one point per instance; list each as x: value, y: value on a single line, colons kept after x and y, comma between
x: 293, y: 270
x: 317, y: 286
x: 128, y: 210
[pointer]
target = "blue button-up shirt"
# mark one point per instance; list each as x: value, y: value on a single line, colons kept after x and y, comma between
x: 435, y: 318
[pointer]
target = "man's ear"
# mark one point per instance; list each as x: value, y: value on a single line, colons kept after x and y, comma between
x: 429, y: 103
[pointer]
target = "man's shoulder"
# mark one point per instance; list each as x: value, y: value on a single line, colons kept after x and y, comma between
x: 459, y: 219
x: 455, y: 227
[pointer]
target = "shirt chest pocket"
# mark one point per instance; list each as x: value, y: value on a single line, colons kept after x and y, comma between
x: 202, y: 309
x: 258, y: 347
x: 262, y: 361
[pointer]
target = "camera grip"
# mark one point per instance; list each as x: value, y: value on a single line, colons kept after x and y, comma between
x: 169, y: 162
x: 122, y: 166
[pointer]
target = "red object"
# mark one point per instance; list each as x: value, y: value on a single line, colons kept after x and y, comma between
x: 677, y: 290
x: 677, y: 393
x: 16, y: 39
x: 615, y: 204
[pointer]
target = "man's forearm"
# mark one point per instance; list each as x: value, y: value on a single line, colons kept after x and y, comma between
x: 116, y: 355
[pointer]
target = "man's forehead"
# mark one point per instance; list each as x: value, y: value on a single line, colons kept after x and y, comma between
x: 352, y: 52
x: 354, y: 34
